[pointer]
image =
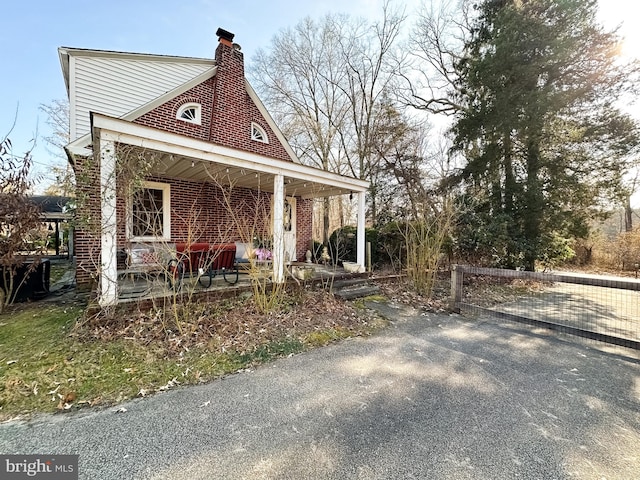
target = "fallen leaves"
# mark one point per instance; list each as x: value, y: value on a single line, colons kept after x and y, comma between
x: 66, y: 401
x: 400, y: 293
x: 70, y: 397
x: 184, y: 344
x: 64, y: 406
x: 478, y: 290
x: 54, y: 391
x: 170, y: 384
x: 226, y: 326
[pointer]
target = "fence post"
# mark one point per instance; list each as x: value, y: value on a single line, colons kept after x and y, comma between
x: 457, y: 273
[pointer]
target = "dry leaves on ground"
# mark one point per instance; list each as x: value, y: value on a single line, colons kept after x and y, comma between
x: 228, y: 325
x: 400, y: 292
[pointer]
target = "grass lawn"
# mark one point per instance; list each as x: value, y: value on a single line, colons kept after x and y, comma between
x: 46, y: 366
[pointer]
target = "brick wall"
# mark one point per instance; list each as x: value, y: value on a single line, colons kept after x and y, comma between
x: 164, y: 116
x: 205, y: 212
x: 304, y: 226
x: 88, y: 220
x: 227, y: 110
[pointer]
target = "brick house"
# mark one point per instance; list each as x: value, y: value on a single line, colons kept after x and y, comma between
x: 207, y: 152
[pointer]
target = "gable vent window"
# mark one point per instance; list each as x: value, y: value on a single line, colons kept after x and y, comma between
x: 258, y: 134
x: 189, y: 112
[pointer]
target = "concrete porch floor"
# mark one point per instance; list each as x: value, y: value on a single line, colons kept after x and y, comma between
x: 134, y: 288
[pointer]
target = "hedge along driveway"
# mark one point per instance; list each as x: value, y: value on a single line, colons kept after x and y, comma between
x: 434, y: 396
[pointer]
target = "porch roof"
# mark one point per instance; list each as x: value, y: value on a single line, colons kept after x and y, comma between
x: 192, y: 159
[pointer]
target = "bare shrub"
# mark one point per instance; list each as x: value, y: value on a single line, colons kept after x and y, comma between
x: 19, y: 222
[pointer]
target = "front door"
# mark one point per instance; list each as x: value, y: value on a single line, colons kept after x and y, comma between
x: 290, y: 254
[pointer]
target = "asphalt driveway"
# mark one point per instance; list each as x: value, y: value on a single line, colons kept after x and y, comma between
x: 432, y: 397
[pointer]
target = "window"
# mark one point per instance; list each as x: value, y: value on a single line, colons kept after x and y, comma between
x: 150, y: 212
x: 258, y: 134
x: 189, y: 112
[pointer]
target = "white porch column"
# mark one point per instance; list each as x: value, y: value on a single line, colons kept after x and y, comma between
x: 278, y: 228
x: 360, y: 248
x: 108, y: 243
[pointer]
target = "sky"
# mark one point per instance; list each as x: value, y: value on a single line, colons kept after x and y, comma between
x: 32, y: 31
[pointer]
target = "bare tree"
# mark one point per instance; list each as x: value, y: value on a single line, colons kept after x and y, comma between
x: 629, y: 188
x: 322, y: 80
x: 299, y: 78
x: 371, y: 64
x: 439, y: 36
x: 413, y: 163
x: 396, y: 142
x: 58, y: 119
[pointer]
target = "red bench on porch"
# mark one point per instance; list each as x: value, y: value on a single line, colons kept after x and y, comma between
x: 206, y: 260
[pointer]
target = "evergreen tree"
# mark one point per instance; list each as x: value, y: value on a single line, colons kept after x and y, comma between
x: 541, y: 134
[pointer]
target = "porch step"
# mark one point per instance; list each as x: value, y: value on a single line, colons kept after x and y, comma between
x: 356, y: 291
x: 350, y: 282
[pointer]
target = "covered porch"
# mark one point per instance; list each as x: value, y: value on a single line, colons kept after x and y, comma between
x: 155, y: 289
x: 188, y: 159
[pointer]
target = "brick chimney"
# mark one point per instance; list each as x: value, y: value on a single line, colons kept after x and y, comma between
x: 231, y: 120
x: 233, y: 109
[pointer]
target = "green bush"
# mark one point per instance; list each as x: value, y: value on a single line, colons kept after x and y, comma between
x: 558, y: 250
x: 343, y: 244
x: 392, y: 248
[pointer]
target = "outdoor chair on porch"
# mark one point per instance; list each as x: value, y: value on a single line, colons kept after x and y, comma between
x: 144, y: 265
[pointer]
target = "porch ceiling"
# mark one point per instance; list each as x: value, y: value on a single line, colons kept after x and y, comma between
x: 197, y: 169
x: 191, y: 159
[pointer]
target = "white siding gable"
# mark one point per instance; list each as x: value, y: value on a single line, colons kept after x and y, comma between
x: 116, y: 85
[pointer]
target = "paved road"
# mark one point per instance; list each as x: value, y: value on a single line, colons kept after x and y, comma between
x: 432, y: 397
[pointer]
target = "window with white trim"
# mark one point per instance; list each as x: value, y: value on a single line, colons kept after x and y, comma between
x: 258, y: 134
x: 151, y: 212
x: 190, y: 112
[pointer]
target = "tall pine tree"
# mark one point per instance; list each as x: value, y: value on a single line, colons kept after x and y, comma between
x: 540, y: 132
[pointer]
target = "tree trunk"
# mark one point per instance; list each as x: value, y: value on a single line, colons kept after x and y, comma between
x: 533, y: 207
x: 628, y: 215
x: 509, y: 178
x: 325, y: 221
x: 373, y: 194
